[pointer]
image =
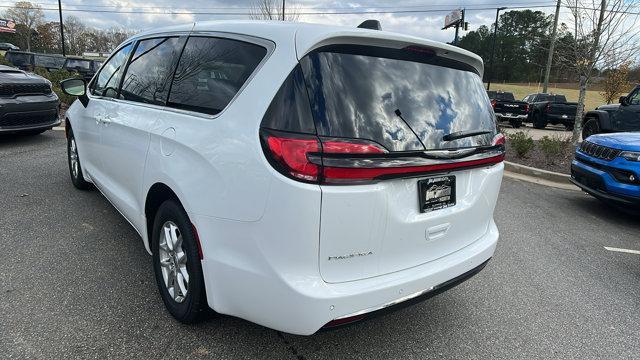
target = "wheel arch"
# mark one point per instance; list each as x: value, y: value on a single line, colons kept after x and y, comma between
x: 601, y: 116
x: 158, y: 193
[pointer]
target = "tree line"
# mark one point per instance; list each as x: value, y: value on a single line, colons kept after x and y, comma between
x: 522, y: 45
x: 34, y: 33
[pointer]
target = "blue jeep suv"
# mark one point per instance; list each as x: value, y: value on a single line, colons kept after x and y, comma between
x: 607, y: 166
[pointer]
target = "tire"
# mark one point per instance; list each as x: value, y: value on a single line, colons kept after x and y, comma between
x: 539, y: 122
x: 169, y: 266
x: 516, y: 123
x: 75, y: 168
x: 590, y: 127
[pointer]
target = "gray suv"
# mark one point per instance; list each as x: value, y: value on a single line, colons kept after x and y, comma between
x: 27, y: 103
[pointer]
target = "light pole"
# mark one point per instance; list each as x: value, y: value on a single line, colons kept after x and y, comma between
x: 61, y: 27
x: 493, y: 48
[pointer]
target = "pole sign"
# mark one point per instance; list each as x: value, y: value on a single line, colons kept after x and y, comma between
x: 452, y: 18
x: 7, y: 26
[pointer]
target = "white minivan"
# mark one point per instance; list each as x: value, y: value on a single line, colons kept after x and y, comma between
x: 298, y: 176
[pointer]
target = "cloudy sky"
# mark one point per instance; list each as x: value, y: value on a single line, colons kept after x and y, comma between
x: 416, y: 17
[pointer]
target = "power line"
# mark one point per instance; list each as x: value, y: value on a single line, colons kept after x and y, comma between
x: 346, y: 12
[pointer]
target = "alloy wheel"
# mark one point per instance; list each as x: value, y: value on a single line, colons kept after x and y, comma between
x: 173, y: 262
x: 73, y: 158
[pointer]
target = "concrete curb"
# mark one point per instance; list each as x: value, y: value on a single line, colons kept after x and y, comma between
x: 538, y: 176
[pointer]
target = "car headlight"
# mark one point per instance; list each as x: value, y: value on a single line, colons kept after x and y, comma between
x: 630, y: 155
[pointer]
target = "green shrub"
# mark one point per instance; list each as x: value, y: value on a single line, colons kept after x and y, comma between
x: 554, y: 147
x: 4, y: 61
x: 521, y: 142
x: 55, y: 76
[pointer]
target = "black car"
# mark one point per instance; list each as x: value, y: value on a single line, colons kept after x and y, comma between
x: 27, y: 103
x: 624, y: 116
x: 8, y: 46
x: 551, y: 109
x: 507, y: 108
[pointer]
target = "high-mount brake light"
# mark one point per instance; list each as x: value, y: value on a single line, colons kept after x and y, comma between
x: 420, y: 49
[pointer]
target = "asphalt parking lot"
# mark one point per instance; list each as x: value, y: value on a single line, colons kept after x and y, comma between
x: 76, y: 282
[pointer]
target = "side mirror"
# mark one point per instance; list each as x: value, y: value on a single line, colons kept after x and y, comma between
x: 623, y: 100
x: 74, y: 87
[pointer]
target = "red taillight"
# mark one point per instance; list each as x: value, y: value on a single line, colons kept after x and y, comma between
x: 548, y: 108
x: 493, y: 103
x: 499, y: 139
x: 526, y: 108
x: 348, y: 161
x: 291, y: 153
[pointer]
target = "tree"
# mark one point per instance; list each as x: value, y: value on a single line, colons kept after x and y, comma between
x: 272, y: 10
x: 603, y: 35
x: 75, y: 35
x: 27, y: 17
x: 615, y: 83
x: 522, y: 39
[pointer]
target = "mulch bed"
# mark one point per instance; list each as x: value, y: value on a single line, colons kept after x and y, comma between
x: 536, y: 158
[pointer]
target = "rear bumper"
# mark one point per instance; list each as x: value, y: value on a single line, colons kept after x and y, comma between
x: 301, y: 302
x: 504, y: 116
x: 561, y: 118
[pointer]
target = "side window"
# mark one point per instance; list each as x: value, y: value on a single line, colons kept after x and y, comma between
x: 211, y: 71
x: 150, y: 69
x: 107, y: 81
x: 634, y: 99
x: 290, y: 109
x: 526, y: 98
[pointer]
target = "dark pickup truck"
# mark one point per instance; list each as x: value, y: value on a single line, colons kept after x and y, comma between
x: 621, y: 117
x: 551, y: 109
x: 507, y: 108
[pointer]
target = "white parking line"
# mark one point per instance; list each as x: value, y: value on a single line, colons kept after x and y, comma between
x: 623, y: 250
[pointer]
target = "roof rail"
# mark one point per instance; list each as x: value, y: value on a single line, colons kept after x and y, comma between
x: 370, y: 24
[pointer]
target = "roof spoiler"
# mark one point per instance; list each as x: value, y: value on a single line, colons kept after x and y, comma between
x: 370, y: 24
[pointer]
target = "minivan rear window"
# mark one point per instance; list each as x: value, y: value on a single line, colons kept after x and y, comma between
x: 399, y: 99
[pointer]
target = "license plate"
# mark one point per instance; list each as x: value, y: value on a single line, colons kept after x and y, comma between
x: 437, y: 193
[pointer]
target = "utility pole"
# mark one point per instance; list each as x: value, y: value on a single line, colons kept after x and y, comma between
x: 283, y: 10
x: 493, y: 48
x: 61, y: 27
x: 458, y: 25
x: 551, y: 48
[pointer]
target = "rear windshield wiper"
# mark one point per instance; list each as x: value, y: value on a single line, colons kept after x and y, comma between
x: 464, y: 134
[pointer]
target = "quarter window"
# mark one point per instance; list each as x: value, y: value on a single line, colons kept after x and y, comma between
x: 108, y: 80
x: 211, y: 71
x: 150, y: 69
